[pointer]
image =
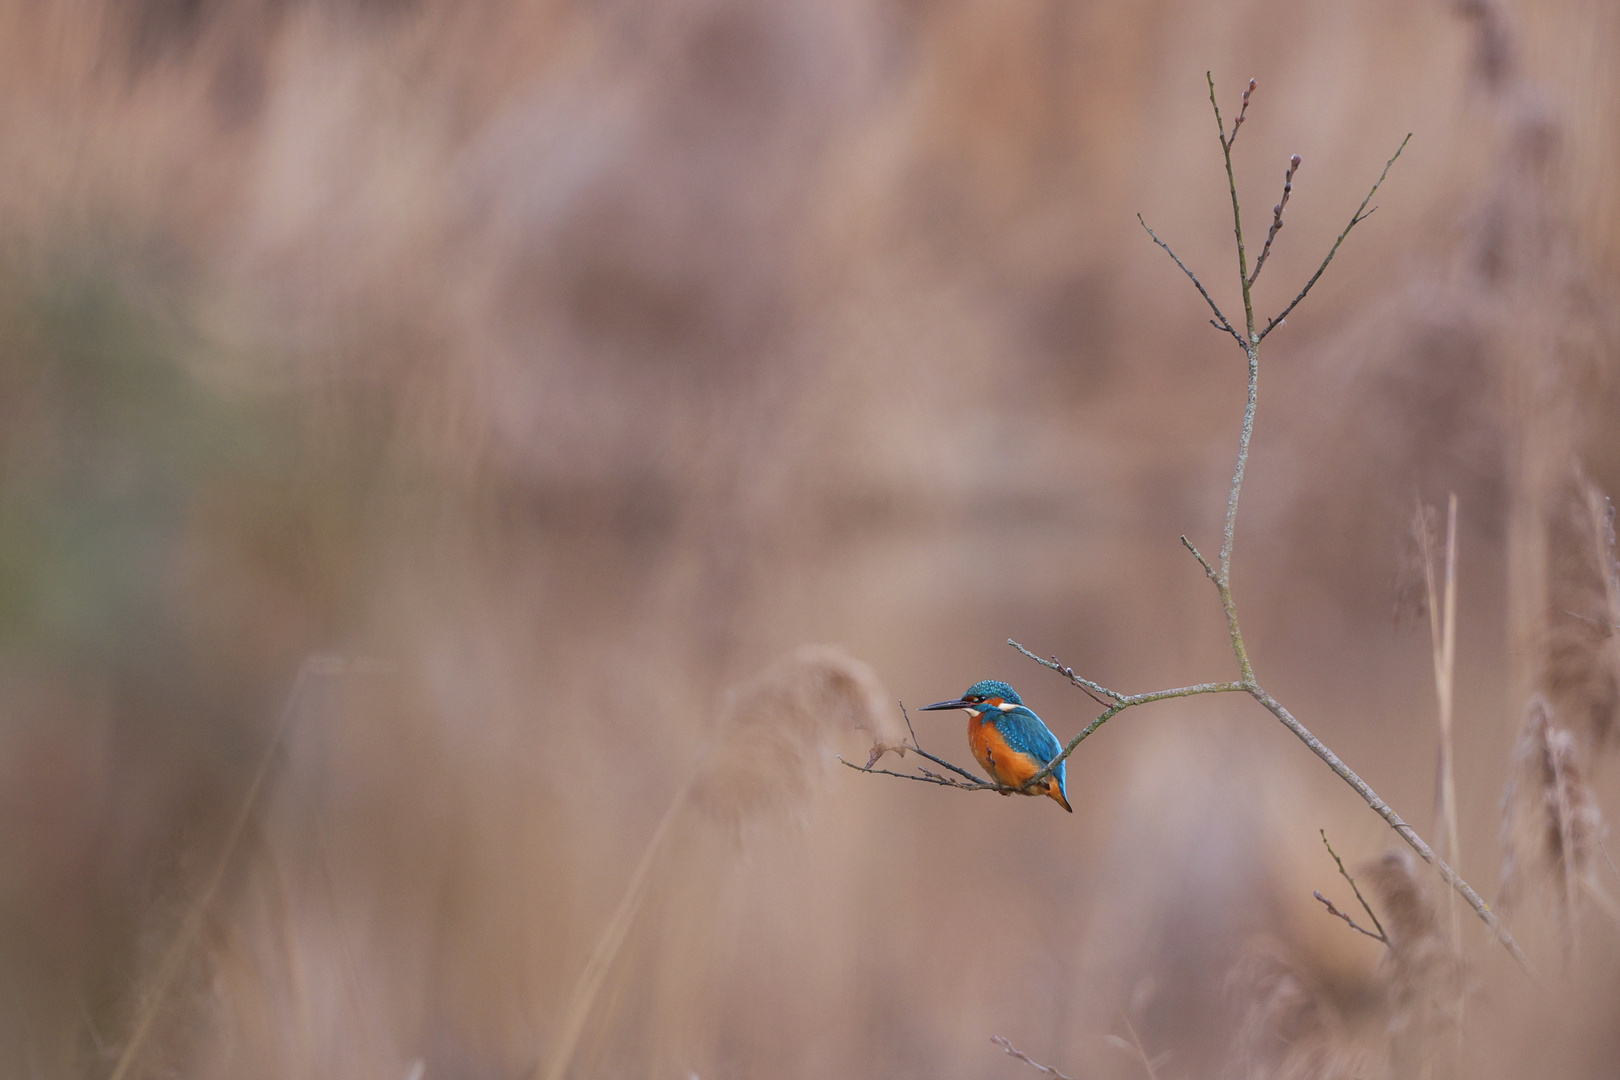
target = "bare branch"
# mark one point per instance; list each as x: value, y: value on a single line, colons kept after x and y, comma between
x: 1247, y: 340
x: 1220, y: 321
x: 1361, y: 214
x: 942, y: 763
x: 1407, y: 833
x: 1068, y: 673
x: 1013, y: 1051
x: 914, y: 743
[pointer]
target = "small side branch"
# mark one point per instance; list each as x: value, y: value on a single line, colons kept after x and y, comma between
x: 1361, y: 214
x: 1331, y: 910
x: 1243, y: 113
x: 1199, y: 555
x: 1276, y: 218
x: 1220, y: 321
x: 1013, y: 1051
x: 923, y: 776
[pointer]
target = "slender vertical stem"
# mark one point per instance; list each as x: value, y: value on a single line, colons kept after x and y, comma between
x: 1223, y: 580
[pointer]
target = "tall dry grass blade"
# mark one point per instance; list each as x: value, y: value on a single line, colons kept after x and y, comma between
x: 1442, y: 612
x: 762, y: 761
x: 1443, y: 637
x: 192, y: 923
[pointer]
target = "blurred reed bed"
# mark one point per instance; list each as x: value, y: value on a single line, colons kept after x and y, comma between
x: 578, y: 362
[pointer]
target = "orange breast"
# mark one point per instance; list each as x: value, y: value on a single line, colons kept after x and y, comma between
x: 1004, y: 764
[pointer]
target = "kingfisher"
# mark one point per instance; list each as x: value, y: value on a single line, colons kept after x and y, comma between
x: 1009, y: 740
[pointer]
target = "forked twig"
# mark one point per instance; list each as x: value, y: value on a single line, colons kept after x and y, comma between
x: 1382, y: 935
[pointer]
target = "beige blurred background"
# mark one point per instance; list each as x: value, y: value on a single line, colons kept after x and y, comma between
x: 558, y: 368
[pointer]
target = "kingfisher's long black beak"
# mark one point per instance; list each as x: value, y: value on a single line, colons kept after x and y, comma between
x: 940, y: 705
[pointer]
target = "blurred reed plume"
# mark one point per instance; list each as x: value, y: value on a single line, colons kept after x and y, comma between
x: 1423, y: 977
x: 773, y: 740
x: 1580, y: 675
x: 1304, y: 1018
x: 1551, y: 823
x: 1291, y: 1028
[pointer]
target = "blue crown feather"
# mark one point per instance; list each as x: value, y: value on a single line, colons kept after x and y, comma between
x: 993, y: 688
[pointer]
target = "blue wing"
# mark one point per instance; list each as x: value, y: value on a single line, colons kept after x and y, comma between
x: 1026, y: 734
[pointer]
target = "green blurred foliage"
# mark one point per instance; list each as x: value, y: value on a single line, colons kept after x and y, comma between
x: 111, y: 439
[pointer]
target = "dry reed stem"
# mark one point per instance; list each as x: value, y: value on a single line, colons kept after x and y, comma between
x: 1141, y: 1051
x: 1443, y: 638
x: 191, y: 925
